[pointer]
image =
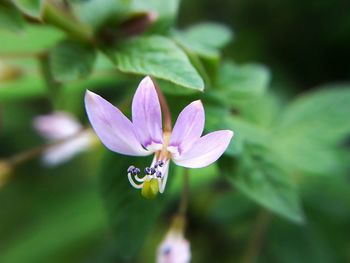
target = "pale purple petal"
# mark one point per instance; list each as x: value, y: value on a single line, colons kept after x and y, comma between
x: 174, y: 249
x: 57, y: 125
x: 206, y: 150
x: 188, y: 127
x: 114, y: 129
x: 62, y: 152
x: 146, y: 114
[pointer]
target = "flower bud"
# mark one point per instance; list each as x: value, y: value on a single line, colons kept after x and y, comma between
x: 174, y: 248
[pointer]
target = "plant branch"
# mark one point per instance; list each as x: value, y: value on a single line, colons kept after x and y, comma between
x: 31, y: 153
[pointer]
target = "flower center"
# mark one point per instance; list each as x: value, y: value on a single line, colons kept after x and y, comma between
x: 164, y: 154
x: 155, y: 176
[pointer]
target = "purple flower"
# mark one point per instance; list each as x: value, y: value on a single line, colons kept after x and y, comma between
x: 144, y: 135
x: 62, y: 126
x: 174, y: 248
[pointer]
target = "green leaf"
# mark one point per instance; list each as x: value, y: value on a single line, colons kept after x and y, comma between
x: 71, y: 60
x: 166, y: 12
x: 238, y: 84
x: 244, y: 131
x: 212, y: 35
x: 36, y: 39
x: 262, y: 180
x: 159, y: 57
x: 262, y: 110
x: 196, y: 47
x: 323, y: 114
x: 96, y: 13
x: 10, y: 18
x: 131, y: 215
x: 30, y: 7
x: 311, y: 128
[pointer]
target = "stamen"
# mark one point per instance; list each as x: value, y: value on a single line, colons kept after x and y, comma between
x: 147, y: 170
x: 137, y: 186
x: 136, y: 171
x: 140, y: 180
x: 131, y: 169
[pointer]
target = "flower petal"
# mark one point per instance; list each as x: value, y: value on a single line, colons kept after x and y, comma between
x: 188, y: 127
x: 206, y: 150
x: 57, y: 154
x: 57, y: 125
x: 114, y: 129
x: 174, y: 248
x: 146, y: 114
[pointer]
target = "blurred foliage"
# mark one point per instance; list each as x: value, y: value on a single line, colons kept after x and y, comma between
x: 280, y: 192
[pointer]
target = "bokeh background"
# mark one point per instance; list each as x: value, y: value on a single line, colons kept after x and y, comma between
x: 58, y: 214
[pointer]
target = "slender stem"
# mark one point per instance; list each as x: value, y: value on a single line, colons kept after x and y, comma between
x: 21, y: 55
x: 255, y: 244
x: 164, y: 106
x: 31, y: 153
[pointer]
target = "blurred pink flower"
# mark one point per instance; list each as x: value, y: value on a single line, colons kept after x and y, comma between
x: 174, y: 249
x: 63, y: 126
x: 144, y: 135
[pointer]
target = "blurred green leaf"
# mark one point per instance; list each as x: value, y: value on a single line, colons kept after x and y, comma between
x: 55, y: 232
x: 311, y: 129
x: 175, y: 90
x: 36, y: 39
x: 258, y: 176
x: 198, y: 48
x: 262, y: 110
x: 323, y: 115
x: 244, y: 131
x: 239, y: 83
x: 159, y: 57
x: 131, y: 215
x: 166, y: 12
x: 96, y: 13
x: 287, y: 243
x: 212, y: 35
x: 10, y: 17
x: 70, y: 60
x: 30, y: 7
x: 25, y: 82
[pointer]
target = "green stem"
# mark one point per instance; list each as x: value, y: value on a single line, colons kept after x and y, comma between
x: 54, y: 15
x: 36, y: 151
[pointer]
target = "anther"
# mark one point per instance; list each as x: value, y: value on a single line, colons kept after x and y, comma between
x: 131, y: 169
x: 136, y: 171
x: 160, y: 163
x: 152, y: 170
x: 147, y: 170
x: 159, y: 174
